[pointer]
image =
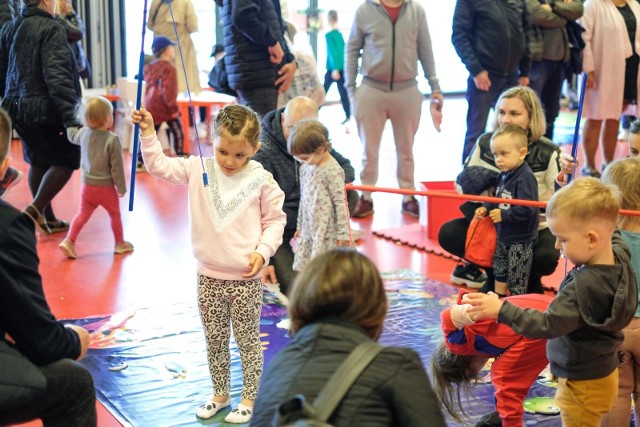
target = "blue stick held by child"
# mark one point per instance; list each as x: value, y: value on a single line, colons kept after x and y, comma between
x: 596, y: 300
x: 237, y: 224
x: 323, y: 217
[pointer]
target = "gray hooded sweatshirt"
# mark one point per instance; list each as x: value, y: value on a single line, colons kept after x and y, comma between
x: 390, y: 51
x: 585, y: 320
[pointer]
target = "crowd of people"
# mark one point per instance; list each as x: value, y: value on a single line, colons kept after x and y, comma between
x: 275, y: 182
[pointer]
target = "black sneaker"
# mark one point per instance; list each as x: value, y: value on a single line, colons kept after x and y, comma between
x: 468, y: 275
x: 11, y: 177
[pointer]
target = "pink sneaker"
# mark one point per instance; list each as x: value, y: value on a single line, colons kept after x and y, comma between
x: 123, y: 247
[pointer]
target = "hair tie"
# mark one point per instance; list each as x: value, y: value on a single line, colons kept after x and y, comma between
x: 224, y: 117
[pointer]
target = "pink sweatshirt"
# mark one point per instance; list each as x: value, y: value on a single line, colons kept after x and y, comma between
x: 231, y: 218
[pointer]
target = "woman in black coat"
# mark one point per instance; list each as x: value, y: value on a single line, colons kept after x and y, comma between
x: 337, y: 302
x: 40, y: 90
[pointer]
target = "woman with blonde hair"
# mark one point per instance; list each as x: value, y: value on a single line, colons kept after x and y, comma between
x: 329, y: 318
x: 518, y: 106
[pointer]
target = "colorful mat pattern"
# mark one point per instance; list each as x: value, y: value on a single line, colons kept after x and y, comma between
x: 150, y: 364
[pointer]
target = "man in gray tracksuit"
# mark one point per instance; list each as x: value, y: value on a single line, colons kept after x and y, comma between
x: 391, y: 36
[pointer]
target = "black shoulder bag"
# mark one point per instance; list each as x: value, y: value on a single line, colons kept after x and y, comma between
x: 296, y: 412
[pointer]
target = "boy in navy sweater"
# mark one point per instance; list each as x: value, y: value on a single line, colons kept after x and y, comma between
x: 517, y: 226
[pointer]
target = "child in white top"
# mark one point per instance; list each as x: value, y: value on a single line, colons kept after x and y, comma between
x: 102, y: 172
x: 323, y: 217
x: 237, y: 224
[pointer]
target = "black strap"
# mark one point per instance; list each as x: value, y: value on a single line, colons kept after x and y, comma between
x: 342, y: 380
x: 155, y: 14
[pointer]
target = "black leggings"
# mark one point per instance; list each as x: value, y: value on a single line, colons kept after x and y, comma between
x: 452, y: 237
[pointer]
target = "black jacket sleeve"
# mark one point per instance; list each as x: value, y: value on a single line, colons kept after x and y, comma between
x: 345, y: 164
x: 24, y: 312
x: 463, y: 35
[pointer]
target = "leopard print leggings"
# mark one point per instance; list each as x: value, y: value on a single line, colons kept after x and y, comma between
x: 236, y: 302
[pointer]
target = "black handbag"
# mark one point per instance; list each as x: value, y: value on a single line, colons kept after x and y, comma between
x: 218, y: 78
x: 296, y: 412
x: 21, y: 381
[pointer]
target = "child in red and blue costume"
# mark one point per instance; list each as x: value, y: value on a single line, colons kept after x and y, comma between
x: 467, y: 345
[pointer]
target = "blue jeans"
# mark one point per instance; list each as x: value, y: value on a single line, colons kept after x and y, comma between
x: 546, y: 78
x: 69, y: 401
x: 480, y: 103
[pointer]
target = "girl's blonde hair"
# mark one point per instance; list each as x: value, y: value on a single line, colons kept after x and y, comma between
x: 238, y: 122
x: 95, y: 111
x: 307, y: 136
x: 452, y: 376
x: 340, y: 283
x: 625, y: 174
x: 586, y: 199
x: 537, y: 122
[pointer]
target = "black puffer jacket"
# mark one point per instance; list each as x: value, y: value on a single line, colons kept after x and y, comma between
x: 393, y: 391
x: 9, y: 9
x: 250, y: 27
x: 492, y: 35
x: 39, y: 81
x: 276, y: 159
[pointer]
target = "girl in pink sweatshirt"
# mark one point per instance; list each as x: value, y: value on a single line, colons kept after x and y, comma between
x: 237, y: 224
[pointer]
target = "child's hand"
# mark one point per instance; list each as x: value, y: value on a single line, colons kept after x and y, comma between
x: 485, y: 306
x: 481, y: 212
x: 496, y: 215
x: 343, y: 243
x: 144, y: 119
x: 255, y: 264
x: 121, y: 194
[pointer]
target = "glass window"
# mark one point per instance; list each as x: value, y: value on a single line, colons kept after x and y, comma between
x: 203, y: 40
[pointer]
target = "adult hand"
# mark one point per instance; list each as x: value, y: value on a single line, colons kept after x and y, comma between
x: 276, y: 53
x: 496, y: 215
x: 255, y: 264
x: 83, y: 334
x: 143, y: 118
x: 435, y: 108
x: 286, y: 73
x: 269, y: 275
x: 335, y: 75
x: 523, y: 81
x: 482, y: 81
x: 591, y: 80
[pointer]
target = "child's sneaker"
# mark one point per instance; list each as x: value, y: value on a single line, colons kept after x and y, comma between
x: 11, y: 178
x: 68, y: 248
x: 209, y: 408
x: 123, y: 247
x: 240, y: 414
x: 469, y: 275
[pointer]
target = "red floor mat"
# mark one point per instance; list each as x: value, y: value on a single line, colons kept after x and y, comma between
x: 415, y: 236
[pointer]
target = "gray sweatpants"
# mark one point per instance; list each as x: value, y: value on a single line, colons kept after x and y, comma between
x: 372, y: 108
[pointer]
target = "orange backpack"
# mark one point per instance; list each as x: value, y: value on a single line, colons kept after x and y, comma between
x: 481, y: 242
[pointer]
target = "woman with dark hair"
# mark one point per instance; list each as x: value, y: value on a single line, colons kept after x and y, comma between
x: 519, y: 106
x: 329, y: 318
x: 40, y: 89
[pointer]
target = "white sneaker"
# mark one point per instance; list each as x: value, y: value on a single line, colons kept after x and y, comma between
x: 210, y: 408
x: 240, y: 414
